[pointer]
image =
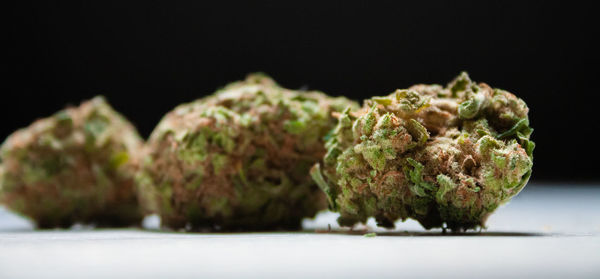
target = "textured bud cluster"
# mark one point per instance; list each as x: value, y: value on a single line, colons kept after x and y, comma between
x: 240, y: 159
x: 76, y: 166
x: 446, y: 157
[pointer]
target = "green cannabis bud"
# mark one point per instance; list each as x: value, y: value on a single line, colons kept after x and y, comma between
x: 77, y: 166
x: 240, y: 158
x: 446, y: 157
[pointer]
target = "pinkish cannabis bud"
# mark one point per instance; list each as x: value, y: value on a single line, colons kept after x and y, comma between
x: 447, y: 157
x: 78, y: 165
x: 240, y: 159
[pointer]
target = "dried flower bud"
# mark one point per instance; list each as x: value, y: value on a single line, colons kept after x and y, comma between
x: 447, y: 157
x: 76, y: 166
x: 240, y: 159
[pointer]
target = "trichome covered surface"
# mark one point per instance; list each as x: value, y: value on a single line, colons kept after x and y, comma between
x: 240, y: 158
x: 78, y: 165
x: 445, y: 156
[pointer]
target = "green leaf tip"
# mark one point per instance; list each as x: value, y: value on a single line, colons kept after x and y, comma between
x: 317, y: 176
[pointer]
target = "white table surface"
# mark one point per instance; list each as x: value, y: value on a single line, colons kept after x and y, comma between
x: 548, y: 231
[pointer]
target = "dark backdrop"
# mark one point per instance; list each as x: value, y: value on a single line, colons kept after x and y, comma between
x: 147, y: 58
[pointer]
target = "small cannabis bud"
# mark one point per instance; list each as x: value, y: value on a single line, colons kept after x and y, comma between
x: 78, y: 165
x: 240, y: 159
x: 447, y: 157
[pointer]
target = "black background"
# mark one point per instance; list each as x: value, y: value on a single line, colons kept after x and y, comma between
x: 147, y: 58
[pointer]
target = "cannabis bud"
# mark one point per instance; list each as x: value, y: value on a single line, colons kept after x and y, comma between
x: 78, y: 165
x: 447, y: 157
x: 240, y: 159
